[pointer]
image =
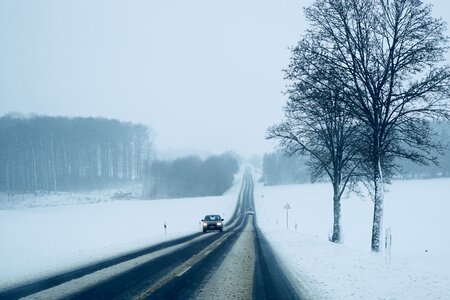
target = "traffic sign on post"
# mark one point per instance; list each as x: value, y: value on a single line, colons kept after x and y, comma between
x: 287, y: 207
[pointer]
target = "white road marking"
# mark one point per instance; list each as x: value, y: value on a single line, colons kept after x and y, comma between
x: 234, y: 277
x: 76, y: 285
x: 181, y: 269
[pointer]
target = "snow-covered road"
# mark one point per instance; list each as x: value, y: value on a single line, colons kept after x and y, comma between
x: 45, y: 241
x: 234, y: 277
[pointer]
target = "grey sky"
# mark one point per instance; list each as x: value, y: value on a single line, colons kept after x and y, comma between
x: 203, y: 74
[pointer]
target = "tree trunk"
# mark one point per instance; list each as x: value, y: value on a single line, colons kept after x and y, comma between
x: 7, y: 178
x: 34, y: 163
x: 336, y: 238
x: 53, y: 164
x: 378, y: 207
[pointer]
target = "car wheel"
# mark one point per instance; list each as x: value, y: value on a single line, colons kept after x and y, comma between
x: 204, y: 230
x: 221, y: 229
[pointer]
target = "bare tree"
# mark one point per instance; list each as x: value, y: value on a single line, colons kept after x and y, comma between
x: 387, y: 55
x: 317, y: 125
x: 278, y: 168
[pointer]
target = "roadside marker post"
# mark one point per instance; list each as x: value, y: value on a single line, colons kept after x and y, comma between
x: 287, y: 207
x: 387, y: 246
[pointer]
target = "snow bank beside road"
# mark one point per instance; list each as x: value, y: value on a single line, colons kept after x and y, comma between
x: 417, y: 212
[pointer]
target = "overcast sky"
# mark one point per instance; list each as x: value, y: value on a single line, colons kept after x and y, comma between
x: 203, y: 74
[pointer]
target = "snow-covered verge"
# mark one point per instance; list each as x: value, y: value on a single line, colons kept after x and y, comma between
x: 41, y: 199
x: 41, y: 241
x: 416, y: 211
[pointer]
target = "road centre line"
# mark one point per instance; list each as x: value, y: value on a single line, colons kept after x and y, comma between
x: 182, y: 269
x: 72, y: 287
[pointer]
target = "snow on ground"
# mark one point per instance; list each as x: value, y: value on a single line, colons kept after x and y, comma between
x: 416, y: 211
x: 41, y: 199
x: 41, y: 241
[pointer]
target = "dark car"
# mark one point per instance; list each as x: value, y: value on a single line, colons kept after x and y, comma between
x: 212, y: 222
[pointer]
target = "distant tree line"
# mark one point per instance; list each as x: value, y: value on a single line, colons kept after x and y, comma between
x: 42, y: 153
x: 410, y: 170
x: 281, y: 169
x: 190, y: 176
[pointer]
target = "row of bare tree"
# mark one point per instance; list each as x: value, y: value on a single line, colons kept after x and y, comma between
x: 190, y: 176
x: 40, y: 153
x: 365, y: 81
x: 278, y: 168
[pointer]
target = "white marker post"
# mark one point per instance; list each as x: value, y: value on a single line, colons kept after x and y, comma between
x: 287, y: 207
x: 387, y: 246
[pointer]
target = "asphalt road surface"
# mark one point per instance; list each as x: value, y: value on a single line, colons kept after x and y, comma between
x: 237, y: 263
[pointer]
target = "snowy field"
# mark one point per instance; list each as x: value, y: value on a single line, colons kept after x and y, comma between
x: 41, y: 241
x: 46, y: 240
x: 41, y: 199
x: 416, y: 211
